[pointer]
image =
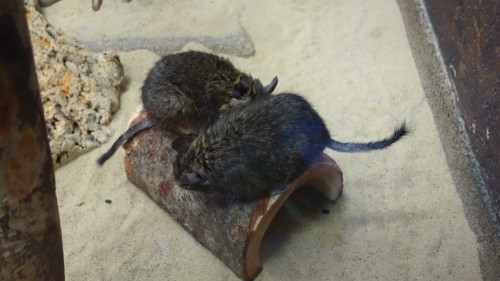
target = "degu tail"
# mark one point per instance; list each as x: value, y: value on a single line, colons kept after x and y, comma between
x: 399, y: 132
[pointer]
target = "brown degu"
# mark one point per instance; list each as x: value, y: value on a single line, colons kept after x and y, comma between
x: 186, y: 92
x: 260, y: 148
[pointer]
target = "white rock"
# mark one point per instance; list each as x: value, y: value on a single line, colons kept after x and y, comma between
x: 160, y: 26
x: 79, y: 88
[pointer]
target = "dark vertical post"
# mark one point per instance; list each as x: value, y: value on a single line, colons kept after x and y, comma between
x: 455, y: 47
x: 30, y: 235
x: 468, y: 34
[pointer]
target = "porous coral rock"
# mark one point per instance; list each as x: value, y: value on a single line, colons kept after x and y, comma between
x: 79, y: 88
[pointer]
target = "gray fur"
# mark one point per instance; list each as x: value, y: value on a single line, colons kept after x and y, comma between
x: 259, y: 149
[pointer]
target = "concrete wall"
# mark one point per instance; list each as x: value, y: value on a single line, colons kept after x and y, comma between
x: 467, y: 33
x: 455, y: 47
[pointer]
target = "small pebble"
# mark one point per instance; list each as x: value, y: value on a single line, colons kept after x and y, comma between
x: 96, y: 4
x: 108, y: 201
x: 325, y: 211
x: 80, y: 204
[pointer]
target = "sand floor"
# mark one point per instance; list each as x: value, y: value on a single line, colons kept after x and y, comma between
x: 399, y: 218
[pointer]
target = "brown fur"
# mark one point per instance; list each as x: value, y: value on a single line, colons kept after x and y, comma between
x: 188, y: 91
x: 184, y: 93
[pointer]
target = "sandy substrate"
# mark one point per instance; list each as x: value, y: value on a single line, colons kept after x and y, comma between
x: 399, y: 218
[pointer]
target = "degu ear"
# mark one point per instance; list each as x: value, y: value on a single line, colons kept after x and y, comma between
x: 270, y: 88
x: 243, y: 88
x: 181, y: 144
x: 190, y: 178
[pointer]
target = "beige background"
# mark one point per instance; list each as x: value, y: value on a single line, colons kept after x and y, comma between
x: 399, y: 218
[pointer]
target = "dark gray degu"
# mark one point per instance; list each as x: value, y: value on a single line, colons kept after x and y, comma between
x: 261, y: 148
x: 184, y: 93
